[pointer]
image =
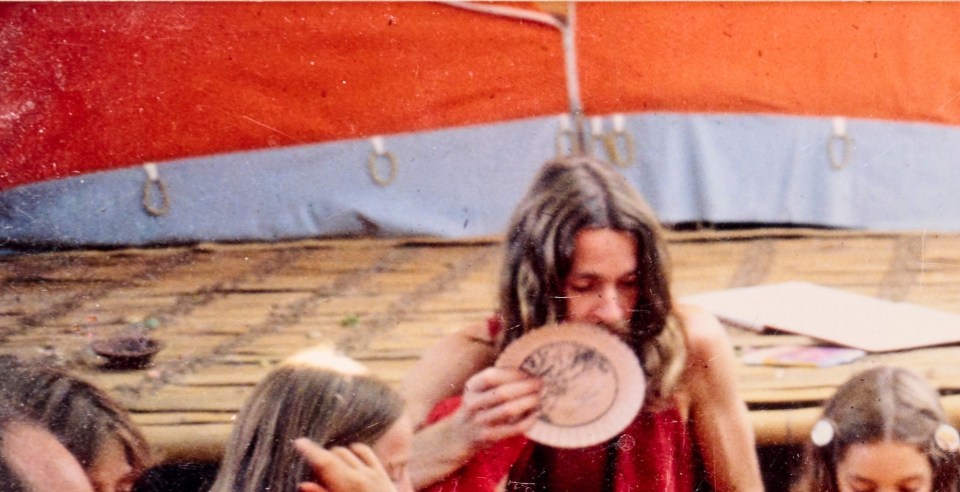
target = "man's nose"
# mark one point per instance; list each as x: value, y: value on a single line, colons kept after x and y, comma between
x: 608, y: 310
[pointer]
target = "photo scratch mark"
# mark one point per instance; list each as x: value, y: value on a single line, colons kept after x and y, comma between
x: 268, y: 127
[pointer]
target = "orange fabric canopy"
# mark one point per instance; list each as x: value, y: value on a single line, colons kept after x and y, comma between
x: 96, y: 86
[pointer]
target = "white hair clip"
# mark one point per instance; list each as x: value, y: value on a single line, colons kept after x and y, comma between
x: 822, y: 433
x: 947, y: 438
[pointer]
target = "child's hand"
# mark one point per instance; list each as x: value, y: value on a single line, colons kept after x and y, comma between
x: 340, y: 469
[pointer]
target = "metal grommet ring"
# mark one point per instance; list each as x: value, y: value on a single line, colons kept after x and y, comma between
x: 375, y: 173
x: 148, y: 197
x: 846, y: 151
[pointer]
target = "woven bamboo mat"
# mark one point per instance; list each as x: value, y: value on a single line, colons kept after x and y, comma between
x: 228, y: 313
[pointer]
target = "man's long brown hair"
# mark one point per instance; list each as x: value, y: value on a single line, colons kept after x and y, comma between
x: 567, y: 196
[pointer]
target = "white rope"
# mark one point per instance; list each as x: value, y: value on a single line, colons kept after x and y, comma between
x: 570, y: 59
x: 380, y: 151
x: 152, y: 173
x: 512, y: 12
x: 566, y: 28
x: 839, y: 126
x: 619, y: 123
x: 596, y: 126
x: 377, y: 143
x: 148, y: 201
x: 839, y: 137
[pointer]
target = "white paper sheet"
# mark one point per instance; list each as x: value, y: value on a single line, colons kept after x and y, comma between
x: 832, y: 315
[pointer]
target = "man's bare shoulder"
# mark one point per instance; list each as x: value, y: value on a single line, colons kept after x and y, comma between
x: 477, y: 333
x: 706, y: 337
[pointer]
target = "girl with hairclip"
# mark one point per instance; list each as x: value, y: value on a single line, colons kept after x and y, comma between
x: 883, y: 430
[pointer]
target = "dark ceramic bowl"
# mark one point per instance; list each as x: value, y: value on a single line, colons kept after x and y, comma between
x: 126, y: 351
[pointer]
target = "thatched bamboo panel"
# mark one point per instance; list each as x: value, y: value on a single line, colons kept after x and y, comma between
x: 228, y: 313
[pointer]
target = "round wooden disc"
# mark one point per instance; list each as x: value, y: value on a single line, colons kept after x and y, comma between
x: 593, y: 383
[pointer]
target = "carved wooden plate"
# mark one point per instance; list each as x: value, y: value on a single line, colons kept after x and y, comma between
x: 593, y: 383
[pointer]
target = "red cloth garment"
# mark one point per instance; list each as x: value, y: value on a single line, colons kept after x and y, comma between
x: 487, y: 468
x: 654, y: 453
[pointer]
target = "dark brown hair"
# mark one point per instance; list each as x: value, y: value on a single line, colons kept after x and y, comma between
x: 82, y: 416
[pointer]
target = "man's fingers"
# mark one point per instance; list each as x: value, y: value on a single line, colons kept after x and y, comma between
x: 510, y: 411
x: 498, y: 395
x: 496, y: 433
x: 492, y: 377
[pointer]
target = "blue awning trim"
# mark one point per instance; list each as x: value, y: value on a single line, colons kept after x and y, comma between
x: 464, y: 182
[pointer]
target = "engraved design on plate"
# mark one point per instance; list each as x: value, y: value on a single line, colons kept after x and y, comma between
x: 580, y: 385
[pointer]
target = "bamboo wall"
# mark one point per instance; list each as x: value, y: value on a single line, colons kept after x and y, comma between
x: 228, y: 312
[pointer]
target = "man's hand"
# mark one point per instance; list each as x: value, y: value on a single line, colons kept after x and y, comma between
x: 498, y: 403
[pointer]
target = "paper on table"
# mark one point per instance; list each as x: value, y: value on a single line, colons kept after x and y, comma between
x: 833, y: 315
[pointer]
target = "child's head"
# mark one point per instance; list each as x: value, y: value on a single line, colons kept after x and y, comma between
x: 32, y: 459
x: 93, y: 427
x: 323, y: 396
x: 883, y: 428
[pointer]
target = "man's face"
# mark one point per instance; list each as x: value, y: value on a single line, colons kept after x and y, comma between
x: 601, y: 287
x: 41, y: 462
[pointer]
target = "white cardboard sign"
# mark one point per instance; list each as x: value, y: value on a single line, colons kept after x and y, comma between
x: 832, y: 315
